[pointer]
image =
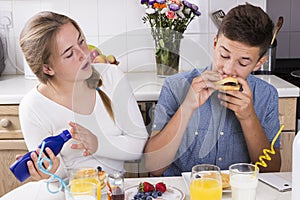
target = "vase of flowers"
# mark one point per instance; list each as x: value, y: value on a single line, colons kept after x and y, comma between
x: 168, y: 20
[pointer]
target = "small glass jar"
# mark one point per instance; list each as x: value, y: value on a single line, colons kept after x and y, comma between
x: 115, y: 183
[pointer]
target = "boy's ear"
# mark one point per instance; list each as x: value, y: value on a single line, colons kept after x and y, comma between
x: 48, y: 70
x: 260, y: 63
x: 215, y: 41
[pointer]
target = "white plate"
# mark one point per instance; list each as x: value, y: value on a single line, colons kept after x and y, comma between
x: 187, y: 177
x: 172, y: 193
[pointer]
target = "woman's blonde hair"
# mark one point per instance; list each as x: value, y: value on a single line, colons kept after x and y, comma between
x: 36, y: 42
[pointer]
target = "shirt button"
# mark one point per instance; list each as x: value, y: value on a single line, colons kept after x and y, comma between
x: 196, y: 133
x: 220, y: 158
x: 154, y: 125
x: 221, y: 133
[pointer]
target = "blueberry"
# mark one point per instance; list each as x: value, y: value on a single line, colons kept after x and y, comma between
x: 148, y: 193
x: 139, y: 195
x: 159, y: 193
x: 154, y: 194
x: 148, y: 198
x: 142, y: 196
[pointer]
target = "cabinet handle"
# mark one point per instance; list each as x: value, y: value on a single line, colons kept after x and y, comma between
x: 5, y: 123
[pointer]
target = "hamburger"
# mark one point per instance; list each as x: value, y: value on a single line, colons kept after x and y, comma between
x: 228, y: 83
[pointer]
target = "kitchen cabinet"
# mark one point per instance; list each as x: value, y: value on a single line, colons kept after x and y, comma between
x: 287, y: 116
x: 11, y: 144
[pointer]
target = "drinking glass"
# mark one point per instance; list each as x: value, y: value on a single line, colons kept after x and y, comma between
x: 81, y: 191
x: 206, y: 182
x: 86, y: 175
x: 243, y: 181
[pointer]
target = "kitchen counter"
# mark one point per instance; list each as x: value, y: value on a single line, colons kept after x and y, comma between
x: 146, y: 86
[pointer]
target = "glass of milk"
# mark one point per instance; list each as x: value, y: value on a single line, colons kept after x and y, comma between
x: 243, y: 181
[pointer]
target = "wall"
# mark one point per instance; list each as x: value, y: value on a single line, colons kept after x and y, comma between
x: 289, y: 36
x: 116, y: 26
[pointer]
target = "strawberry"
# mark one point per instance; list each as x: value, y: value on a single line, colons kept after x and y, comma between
x: 160, y: 187
x: 146, y: 187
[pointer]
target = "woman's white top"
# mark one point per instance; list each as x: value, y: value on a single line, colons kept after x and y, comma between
x: 119, y: 140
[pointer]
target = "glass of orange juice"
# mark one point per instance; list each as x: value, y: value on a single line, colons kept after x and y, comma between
x: 83, y: 175
x: 206, y: 182
x: 81, y: 191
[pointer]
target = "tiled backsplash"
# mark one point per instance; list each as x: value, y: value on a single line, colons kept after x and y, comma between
x: 116, y: 26
x: 289, y: 36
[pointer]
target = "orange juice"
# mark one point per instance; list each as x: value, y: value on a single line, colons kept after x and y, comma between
x: 205, y: 189
x: 82, y: 187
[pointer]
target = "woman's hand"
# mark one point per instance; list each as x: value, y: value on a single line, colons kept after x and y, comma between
x: 32, y: 165
x: 88, y: 142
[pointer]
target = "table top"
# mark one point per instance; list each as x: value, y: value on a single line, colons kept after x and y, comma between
x: 38, y: 191
x: 146, y: 86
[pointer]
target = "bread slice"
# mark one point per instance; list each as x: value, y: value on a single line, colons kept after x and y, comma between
x: 225, y: 180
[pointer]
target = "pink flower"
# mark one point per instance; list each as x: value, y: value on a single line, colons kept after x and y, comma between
x: 171, y: 15
x: 178, y: 2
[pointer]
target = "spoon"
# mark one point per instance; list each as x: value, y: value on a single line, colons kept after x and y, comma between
x: 277, y: 28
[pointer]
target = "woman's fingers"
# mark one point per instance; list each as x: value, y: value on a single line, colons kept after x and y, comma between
x: 86, y: 152
x: 55, y: 160
x: 33, y: 170
x: 81, y: 146
x: 33, y: 166
x: 88, y: 141
x: 75, y: 130
x: 18, y: 156
x: 77, y: 146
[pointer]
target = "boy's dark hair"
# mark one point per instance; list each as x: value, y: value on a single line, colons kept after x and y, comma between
x: 249, y: 25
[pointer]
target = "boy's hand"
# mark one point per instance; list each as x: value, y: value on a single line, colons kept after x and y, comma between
x: 240, y: 102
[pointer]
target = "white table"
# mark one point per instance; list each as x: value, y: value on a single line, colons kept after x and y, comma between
x: 38, y: 190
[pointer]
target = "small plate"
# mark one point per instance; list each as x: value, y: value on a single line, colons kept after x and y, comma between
x: 187, y: 177
x: 172, y: 193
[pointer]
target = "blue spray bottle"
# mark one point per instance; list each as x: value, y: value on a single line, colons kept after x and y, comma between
x: 55, y: 143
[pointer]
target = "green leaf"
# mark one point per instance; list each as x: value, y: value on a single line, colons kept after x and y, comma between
x: 161, y: 43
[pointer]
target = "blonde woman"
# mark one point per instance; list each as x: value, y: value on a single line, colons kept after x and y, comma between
x: 96, y: 105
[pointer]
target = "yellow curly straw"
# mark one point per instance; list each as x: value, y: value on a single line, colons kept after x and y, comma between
x: 266, y: 152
